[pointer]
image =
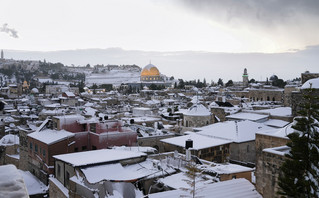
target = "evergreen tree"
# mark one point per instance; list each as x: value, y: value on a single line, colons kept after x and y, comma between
x: 220, y: 82
x: 300, y: 171
x: 229, y: 83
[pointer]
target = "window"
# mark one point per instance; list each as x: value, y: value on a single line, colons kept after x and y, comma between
x: 59, y: 170
x: 83, y: 148
x: 93, y: 147
x: 247, y: 148
x: 43, y: 153
x: 31, y: 146
x: 35, y: 147
x: 76, y: 149
x: 234, y: 177
x: 67, y: 178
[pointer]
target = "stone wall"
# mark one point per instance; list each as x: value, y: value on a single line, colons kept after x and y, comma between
x: 55, y: 191
x: 246, y: 175
x: 197, y: 121
x: 308, y: 76
x: 218, y: 112
x: 268, y: 173
x: 243, y: 152
x: 267, y: 164
x: 153, y: 141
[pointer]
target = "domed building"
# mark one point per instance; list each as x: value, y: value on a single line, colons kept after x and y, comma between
x: 150, y: 73
x: 197, y: 116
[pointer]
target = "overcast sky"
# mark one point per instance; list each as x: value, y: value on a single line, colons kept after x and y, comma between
x: 287, y: 30
x: 161, y: 25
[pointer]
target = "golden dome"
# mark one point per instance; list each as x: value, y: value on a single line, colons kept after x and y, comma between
x: 150, y: 70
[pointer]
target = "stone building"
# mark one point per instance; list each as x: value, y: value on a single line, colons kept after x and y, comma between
x: 42, y: 146
x: 242, y: 137
x: 307, y: 76
x: 197, y: 116
x: 270, y: 147
x: 204, y: 147
x: 298, y: 97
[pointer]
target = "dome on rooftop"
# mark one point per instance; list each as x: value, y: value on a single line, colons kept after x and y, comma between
x: 198, y: 110
x: 150, y: 70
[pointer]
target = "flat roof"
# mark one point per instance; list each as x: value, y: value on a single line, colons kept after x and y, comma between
x: 247, y: 116
x: 199, y: 141
x: 97, y: 156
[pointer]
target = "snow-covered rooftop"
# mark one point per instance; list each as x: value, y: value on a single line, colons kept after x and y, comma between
x: 314, y: 83
x: 226, y: 168
x: 236, y: 188
x: 33, y: 184
x: 9, y: 139
x: 281, y: 133
x: 49, y: 136
x: 281, y: 150
x: 233, y: 130
x: 247, y: 116
x: 276, y: 123
x: 280, y: 111
x: 97, y: 157
x: 198, y: 110
x: 11, y: 183
x: 199, y: 141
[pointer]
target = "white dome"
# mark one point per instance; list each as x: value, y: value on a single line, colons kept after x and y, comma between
x: 198, y: 110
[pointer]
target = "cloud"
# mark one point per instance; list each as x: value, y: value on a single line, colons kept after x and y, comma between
x: 12, y: 32
x: 270, y: 12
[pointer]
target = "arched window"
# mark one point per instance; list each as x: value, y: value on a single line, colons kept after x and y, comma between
x: 268, y: 98
x: 273, y: 99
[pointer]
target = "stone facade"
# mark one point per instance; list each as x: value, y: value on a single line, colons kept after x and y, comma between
x: 153, y: 141
x: 298, y: 100
x: 307, y: 76
x: 243, y: 152
x: 261, y: 94
x: 267, y: 164
x: 288, y: 95
x: 197, y: 121
x: 219, y: 113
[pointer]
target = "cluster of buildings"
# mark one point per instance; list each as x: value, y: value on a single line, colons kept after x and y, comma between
x: 109, y: 144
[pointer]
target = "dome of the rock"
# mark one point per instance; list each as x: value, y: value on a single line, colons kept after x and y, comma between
x: 150, y: 73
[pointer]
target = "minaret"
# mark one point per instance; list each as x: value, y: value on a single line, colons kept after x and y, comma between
x: 2, y: 57
x: 245, y: 78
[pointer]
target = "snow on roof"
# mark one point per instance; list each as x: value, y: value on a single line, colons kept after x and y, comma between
x: 177, y: 181
x: 198, y: 110
x: 280, y: 111
x: 313, y: 82
x: 69, y: 119
x: 239, y: 188
x: 232, y: 130
x: 69, y: 94
x: 9, y: 140
x: 33, y: 184
x: 199, y: 141
x: 143, y: 149
x: 11, y: 183
x: 276, y: 123
x: 97, y: 156
x: 49, y: 136
x: 112, y: 172
x: 281, y: 133
x: 281, y: 150
x: 247, y: 116
x: 226, y: 168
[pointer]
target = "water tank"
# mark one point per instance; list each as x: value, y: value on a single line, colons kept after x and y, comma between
x: 189, y: 144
